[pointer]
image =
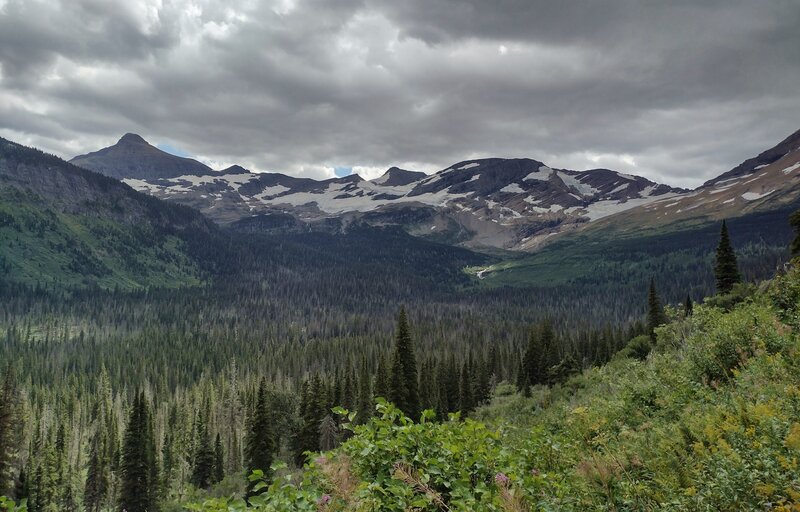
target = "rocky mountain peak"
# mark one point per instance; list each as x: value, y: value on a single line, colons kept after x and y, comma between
x: 134, y: 158
x: 132, y: 138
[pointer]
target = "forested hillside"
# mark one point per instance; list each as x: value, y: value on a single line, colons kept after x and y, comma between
x: 708, y: 420
x: 63, y: 226
x: 234, y: 378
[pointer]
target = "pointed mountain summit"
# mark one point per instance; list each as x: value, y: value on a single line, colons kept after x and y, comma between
x: 397, y: 177
x: 131, y: 138
x: 132, y: 157
x: 235, y: 169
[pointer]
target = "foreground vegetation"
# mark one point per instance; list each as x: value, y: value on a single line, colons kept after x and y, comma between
x: 709, y: 420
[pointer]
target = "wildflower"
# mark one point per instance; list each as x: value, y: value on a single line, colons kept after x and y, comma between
x: 535, y: 472
x: 501, y: 479
x: 324, y: 499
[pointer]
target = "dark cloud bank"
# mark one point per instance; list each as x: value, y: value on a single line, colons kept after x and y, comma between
x: 676, y: 91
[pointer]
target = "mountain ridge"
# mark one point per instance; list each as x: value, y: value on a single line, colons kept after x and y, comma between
x: 490, y: 203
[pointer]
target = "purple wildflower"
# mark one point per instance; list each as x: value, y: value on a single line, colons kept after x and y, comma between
x: 501, y: 479
x: 324, y: 499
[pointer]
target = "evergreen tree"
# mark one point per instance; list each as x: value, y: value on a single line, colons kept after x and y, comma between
x: 540, y: 354
x: 726, y: 270
x: 567, y: 367
x: 312, y: 410
x: 167, y: 463
x: 522, y: 380
x: 655, y: 312
x: 219, y: 460
x: 550, y: 357
x: 137, y: 486
x: 404, y: 385
x: 8, y: 419
x: 348, y: 392
x: 328, y: 433
x: 483, y: 387
x: 364, y: 410
x: 688, y: 307
x: 381, y: 379
x: 97, y: 484
x: 203, y: 460
x: 259, y: 445
x: 21, y: 489
x: 465, y: 391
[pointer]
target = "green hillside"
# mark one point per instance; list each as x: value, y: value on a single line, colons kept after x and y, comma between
x: 66, y: 226
x: 709, y: 420
x: 681, y: 252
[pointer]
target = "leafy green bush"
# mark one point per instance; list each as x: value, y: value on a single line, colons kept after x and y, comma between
x: 728, y: 340
x: 638, y: 348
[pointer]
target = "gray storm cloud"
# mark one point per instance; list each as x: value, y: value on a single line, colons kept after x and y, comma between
x: 675, y: 91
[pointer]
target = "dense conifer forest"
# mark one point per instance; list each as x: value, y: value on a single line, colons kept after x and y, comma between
x: 152, y: 399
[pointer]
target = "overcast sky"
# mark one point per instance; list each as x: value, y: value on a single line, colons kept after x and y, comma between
x: 676, y: 91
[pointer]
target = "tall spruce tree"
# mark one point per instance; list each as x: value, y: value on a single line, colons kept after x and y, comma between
x: 447, y: 382
x: 364, y: 408
x: 8, y: 419
x: 688, y: 307
x: 381, y: 379
x: 540, y: 355
x: 403, y: 382
x: 655, y: 311
x: 328, y: 433
x: 219, y: 460
x: 726, y: 270
x: 138, y: 487
x: 97, y: 482
x: 260, y: 442
x: 465, y: 403
x: 203, y: 463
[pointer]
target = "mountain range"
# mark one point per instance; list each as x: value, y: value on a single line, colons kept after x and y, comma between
x: 535, y: 225
x: 515, y: 204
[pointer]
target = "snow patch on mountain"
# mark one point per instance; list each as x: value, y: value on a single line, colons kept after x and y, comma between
x: 602, y: 209
x: 512, y: 188
x: 574, y: 183
x: 620, y: 188
x: 543, y: 174
x: 752, y: 196
x: 271, y: 191
x: 233, y: 180
x: 791, y: 168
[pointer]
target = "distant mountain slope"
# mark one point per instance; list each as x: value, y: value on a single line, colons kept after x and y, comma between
x: 677, y: 233
x: 491, y: 203
x: 770, y: 187
x: 63, y: 224
x: 789, y: 145
x: 133, y: 157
